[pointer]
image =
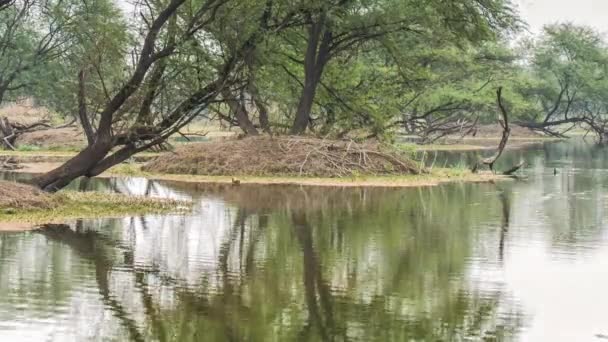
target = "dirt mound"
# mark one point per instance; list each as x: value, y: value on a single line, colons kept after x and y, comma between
x: 22, y: 196
x: 68, y: 138
x: 284, y: 156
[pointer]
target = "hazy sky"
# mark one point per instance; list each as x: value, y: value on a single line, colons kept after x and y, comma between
x: 588, y: 12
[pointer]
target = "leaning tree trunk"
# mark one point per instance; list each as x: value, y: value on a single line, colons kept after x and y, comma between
x: 85, y: 122
x: 76, y: 167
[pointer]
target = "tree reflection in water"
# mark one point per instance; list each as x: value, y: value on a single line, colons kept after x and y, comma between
x: 305, y: 264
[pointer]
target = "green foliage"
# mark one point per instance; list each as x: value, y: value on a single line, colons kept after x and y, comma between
x: 388, y: 67
x: 28, y: 148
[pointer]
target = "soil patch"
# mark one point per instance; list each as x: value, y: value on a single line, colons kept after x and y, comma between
x: 21, y: 196
x: 68, y: 138
x: 284, y: 156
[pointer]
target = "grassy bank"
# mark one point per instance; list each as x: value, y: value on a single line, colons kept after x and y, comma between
x: 25, y: 204
x: 434, y: 177
x: 289, y: 161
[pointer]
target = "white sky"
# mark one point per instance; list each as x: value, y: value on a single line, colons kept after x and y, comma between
x: 537, y: 13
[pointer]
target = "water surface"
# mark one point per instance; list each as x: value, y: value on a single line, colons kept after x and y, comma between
x: 524, y: 260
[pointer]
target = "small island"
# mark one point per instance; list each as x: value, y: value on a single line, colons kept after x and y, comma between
x: 25, y: 204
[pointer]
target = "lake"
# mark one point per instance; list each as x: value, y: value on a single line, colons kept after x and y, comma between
x: 523, y: 260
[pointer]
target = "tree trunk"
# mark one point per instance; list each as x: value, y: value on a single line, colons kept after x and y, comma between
x: 240, y: 112
x: 263, y: 111
x: 304, y: 107
x: 2, y: 92
x: 82, y: 108
x: 78, y: 166
x: 317, y: 56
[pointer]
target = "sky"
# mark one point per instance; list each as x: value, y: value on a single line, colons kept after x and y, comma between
x: 537, y: 13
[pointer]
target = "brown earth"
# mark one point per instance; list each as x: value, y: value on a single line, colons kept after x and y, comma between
x: 68, y: 138
x: 21, y: 196
x: 284, y: 156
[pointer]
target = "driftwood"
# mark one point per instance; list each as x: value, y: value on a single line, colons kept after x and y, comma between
x: 10, y: 131
x: 506, y: 133
x: 7, y: 134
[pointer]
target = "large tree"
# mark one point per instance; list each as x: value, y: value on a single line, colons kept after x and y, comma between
x: 31, y: 35
x: 332, y: 29
x: 569, y: 65
x: 179, y: 58
x: 187, y: 53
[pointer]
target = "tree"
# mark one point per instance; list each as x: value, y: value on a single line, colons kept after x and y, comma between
x: 30, y: 37
x: 96, y: 153
x: 87, y: 73
x: 448, y: 89
x: 184, y: 59
x: 337, y: 28
x: 183, y: 52
x: 568, y: 62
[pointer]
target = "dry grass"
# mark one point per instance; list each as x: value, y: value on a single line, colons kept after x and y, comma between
x: 284, y: 156
x: 68, y: 138
x: 21, y: 196
x: 24, y: 203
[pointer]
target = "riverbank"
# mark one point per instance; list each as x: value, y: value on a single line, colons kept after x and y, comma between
x: 27, y: 205
x: 281, y: 161
x: 433, y: 177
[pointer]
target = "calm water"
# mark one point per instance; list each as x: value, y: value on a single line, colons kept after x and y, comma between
x: 524, y: 260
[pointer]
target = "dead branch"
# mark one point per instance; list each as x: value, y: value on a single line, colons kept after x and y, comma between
x: 10, y: 131
x: 514, y: 169
x: 506, y: 132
